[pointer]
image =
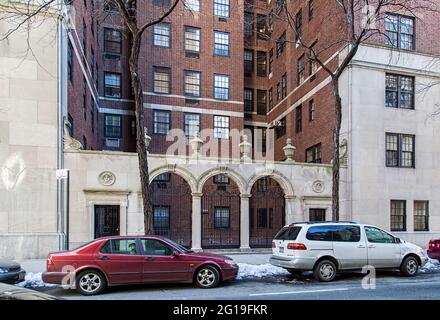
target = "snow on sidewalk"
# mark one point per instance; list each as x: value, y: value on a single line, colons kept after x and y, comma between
x: 431, y: 265
x: 34, y: 281
x: 248, y: 271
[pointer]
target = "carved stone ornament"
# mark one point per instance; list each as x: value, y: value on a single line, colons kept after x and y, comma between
x: 107, y: 178
x: 318, y: 186
x: 69, y: 142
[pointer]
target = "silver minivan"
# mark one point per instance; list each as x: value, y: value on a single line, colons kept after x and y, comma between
x: 328, y: 247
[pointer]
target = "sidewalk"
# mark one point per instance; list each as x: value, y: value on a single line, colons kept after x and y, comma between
x: 39, y: 265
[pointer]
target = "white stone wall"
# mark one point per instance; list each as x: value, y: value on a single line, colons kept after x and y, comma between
x: 28, y: 141
x: 368, y: 185
x: 304, y: 185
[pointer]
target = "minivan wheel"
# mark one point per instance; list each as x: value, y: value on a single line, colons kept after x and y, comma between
x: 325, y: 271
x: 207, y: 277
x: 90, y: 282
x: 409, y: 267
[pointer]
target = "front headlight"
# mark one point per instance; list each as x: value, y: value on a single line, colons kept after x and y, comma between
x: 3, y: 270
x: 229, y: 261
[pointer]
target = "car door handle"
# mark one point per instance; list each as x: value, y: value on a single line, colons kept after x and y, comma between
x: 371, y: 246
x: 361, y: 246
x: 149, y: 258
x: 103, y: 258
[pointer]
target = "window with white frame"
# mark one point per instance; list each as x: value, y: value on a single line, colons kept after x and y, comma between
x: 221, y: 127
x: 398, y: 215
x: 192, y: 124
x: 221, y: 87
x: 421, y: 215
x: 162, y: 35
x: 221, y: 43
x: 399, y: 91
x: 400, y: 150
x: 221, y: 8
x: 399, y: 31
x: 193, y: 5
x: 192, y: 83
x: 112, y: 85
x: 192, y: 39
x: 161, y: 121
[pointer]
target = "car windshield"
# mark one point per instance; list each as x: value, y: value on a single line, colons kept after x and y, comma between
x: 179, y: 246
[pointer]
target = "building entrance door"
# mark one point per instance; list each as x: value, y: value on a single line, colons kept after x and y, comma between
x: 106, y: 221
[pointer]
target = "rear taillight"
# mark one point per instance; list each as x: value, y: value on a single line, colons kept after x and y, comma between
x: 274, y: 245
x: 296, y: 246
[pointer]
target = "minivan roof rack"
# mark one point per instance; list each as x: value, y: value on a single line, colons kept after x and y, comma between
x: 314, y: 222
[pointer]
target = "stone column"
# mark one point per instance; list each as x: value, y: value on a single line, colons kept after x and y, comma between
x: 196, y: 222
x: 244, y: 222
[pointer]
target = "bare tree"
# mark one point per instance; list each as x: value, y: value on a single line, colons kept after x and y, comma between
x: 136, y: 29
x: 362, y: 21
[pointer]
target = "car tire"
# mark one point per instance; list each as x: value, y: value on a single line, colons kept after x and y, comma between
x: 325, y: 271
x: 409, y: 266
x: 207, y: 277
x: 90, y: 282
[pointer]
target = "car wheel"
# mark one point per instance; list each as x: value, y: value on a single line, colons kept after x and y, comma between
x: 207, y: 277
x: 409, y: 266
x: 325, y: 271
x: 90, y: 282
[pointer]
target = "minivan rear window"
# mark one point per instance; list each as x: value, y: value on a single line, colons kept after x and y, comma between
x: 336, y: 233
x: 320, y: 233
x: 288, y: 233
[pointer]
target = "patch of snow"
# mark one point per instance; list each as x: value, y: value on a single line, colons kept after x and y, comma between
x: 34, y: 281
x: 246, y: 271
x: 431, y: 265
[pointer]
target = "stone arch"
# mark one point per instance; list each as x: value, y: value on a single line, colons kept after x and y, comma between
x: 185, y: 174
x: 277, y: 176
x: 235, y: 176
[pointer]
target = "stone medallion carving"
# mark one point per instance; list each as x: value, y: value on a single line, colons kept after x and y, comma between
x: 107, y: 178
x: 318, y: 186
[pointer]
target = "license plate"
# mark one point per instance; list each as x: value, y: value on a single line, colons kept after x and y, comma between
x: 281, y: 249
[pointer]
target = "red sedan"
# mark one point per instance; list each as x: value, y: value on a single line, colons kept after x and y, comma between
x: 121, y: 260
x: 434, y: 249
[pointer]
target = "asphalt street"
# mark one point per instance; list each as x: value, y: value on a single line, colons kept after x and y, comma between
x: 388, y: 285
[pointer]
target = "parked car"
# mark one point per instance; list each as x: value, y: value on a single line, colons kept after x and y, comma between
x: 11, y: 272
x: 10, y: 292
x: 434, y: 249
x: 122, y: 260
x: 329, y: 247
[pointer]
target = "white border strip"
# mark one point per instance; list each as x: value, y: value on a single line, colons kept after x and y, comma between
x: 194, y: 110
x: 192, y: 98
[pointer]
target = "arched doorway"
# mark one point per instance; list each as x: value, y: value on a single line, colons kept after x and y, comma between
x: 220, y: 213
x: 172, y: 206
x: 266, y: 212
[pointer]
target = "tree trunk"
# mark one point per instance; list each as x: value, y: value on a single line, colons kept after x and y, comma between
x: 336, y: 163
x: 141, y: 148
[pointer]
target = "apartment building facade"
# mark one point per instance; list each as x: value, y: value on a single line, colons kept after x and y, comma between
x: 219, y: 67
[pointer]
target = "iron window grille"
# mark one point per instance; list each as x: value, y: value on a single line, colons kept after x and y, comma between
x: 222, y: 218
x: 161, y: 217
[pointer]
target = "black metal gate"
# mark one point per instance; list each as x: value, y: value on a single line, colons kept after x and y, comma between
x: 106, y: 221
x: 266, y: 212
x: 220, y: 215
x: 172, y: 206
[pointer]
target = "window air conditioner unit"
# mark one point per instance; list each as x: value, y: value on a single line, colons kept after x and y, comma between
x: 112, y: 142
